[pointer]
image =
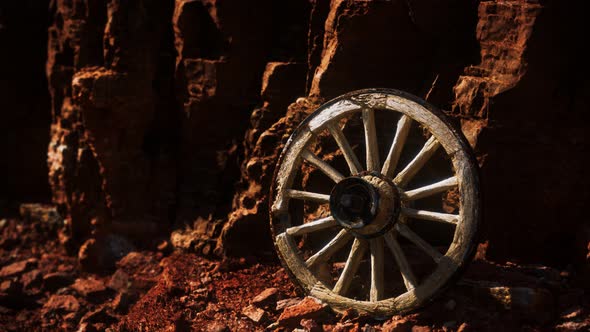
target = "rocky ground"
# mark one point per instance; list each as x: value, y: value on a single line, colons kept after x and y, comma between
x: 44, y: 288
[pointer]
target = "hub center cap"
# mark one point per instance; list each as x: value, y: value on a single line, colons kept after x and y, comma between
x: 367, y: 205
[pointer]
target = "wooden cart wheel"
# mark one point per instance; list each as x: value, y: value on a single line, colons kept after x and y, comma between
x: 387, y: 237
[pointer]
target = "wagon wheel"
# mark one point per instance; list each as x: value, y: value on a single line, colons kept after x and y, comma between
x: 370, y: 256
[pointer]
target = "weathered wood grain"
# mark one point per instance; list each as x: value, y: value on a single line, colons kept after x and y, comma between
x: 308, y: 196
x: 401, y: 134
x: 329, y: 249
x: 312, y: 226
x: 431, y: 189
x: 323, y: 166
x: 359, y: 247
x: 371, y: 144
x: 403, y: 177
x: 351, y: 159
x: 404, y: 266
x: 429, y: 215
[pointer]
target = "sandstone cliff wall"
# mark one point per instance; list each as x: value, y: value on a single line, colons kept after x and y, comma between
x: 169, y: 115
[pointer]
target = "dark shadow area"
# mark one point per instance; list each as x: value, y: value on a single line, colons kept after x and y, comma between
x: 405, y: 45
x: 535, y: 174
x: 202, y: 38
x: 24, y: 102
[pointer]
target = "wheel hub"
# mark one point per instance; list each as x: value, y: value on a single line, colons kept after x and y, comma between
x: 367, y: 205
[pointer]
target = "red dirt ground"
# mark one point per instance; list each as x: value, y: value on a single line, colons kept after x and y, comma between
x: 44, y: 288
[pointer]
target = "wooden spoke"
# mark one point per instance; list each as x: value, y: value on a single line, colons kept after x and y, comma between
x: 430, y: 190
x: 371, y: 145
x: 351, y: 159
x: 330, y: 249
x: 312, y: 226
x: 404, y: 267
x: 308, y: 196
x: 401, y: 134
x: 352, y: 264
x: 322, y: 166
x: 429, y: 215
x: 377, y: 287
x: 406, y: 232
x: 417, y: 163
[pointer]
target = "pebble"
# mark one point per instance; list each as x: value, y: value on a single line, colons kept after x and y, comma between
x: 282, y: 304
x: 61, y: 303
x: 17, y: 268
x: 255, y: 314
x: 266, y: 297
x: 89, y: 287
x: 309, y: 308
x: 31, y: 279
x: 119, y: 280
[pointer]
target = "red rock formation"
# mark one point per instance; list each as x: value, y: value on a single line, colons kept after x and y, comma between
x: 160, y: 109
x: 223, y: 63
x: 503, y: 31
x: 534, y: 176
x: 110, y: 70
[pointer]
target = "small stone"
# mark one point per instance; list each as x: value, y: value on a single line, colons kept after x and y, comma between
x: 89, y: 287
x: 255, y: 314
x: 17, y: 268
x: 41, y: 212
x: 217, y: 327
x: 398, y: 324
x: 11, y: 287
x: 164, y: 246
x: 532, y: 303
x: 572, y: 313
x: 464, y: 328
x: 31, y: 279
x: 266, y: 297
x: 310, y: 325
x: 62, y: 303
x: 119, y: 280
x: 451, y: 305
x: 183, y: 240
x: 309, y: 307
x: 573, y: 326
x: 56, y: 280
x: 348, y: 315
x: 134, y: 260
x: 343, y: 327
x: 481, y: 251
x: 282, y: 304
